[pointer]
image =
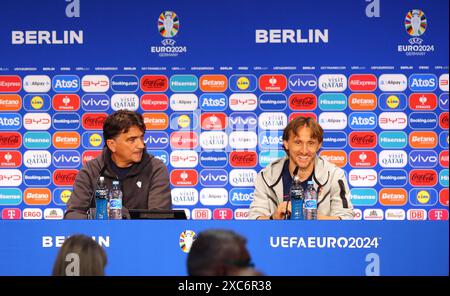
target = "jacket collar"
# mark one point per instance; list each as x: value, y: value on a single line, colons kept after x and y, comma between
x: 135, y: 169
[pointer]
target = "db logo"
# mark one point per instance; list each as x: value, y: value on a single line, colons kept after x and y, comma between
x: 438, y: 214
x: 423, y: 102
x: 93, y: 121
x: 10, y: 102
x: 363, y: 139
x: 156, y: 121
x: 339, y: 158
x: 273, y: 83
x: 154, y: 83
x: 213, y: 83
x: 423, y: 177
x: 90, y: 155
x: 66, y: 102
x: 443, y: 120
x: 183, y: 140
x: 10, y: 83
x: 443, y: 159
x: 363, y: 159
x: 184, y: 177
x: 292, y: 116
x: 64, y: 177
x: 362, y: 82
x: 303, y: 102
x: 393, y: 196
x: 10, y: 214
x: 443, y: 197
x: 362, y: 102
x: 201, y: 214
x: 223, y: 214
x: 154, y: 102
x: 416, y: 214
x: 10, y: 159
x: 37, y: 196
x: 10, y: 140
x: 243, y: 158
x: 213, y: 121
x: 423, y: 139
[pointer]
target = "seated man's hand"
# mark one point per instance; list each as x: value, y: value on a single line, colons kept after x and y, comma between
x: 281, y: 212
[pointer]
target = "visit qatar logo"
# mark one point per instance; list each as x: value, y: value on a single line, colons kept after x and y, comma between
x: 168, y: 27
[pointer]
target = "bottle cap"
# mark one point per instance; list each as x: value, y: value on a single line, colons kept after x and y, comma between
x: 310, y: 182
x: 115, y: 182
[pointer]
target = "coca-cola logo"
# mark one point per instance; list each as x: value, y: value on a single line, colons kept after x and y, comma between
x: 10, y: 140
x: 94, y: 120
x: 64, y: 177
x: 367, y: 139
x: 443, y: 120
x: 363, y: 139
x: 423, y: 178
x: 243, y: 158
x: 302, y: 101
x: 154, y: 83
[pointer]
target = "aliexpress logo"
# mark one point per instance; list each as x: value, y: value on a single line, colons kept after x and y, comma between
x: 66, y: 102
x: 362, y: 101
x: 10, y: 159
x: 243, y: 159
x: 363, y: 158
x: 10, y: 83
x: 93, y: 121
x: 64, y: 177
x: 423, y: 139
x: 393, y: 196
x: 303, y: 102
x: 443, y: 120
x: 10, y: 140
x: 156, y: 121
x: 362, y: 82
x: 423, y: 178
x: 292, y: 116
x: 339, y: 158
x: 66, y: 140
x: 213, y: 83
x: 183, y: 140
x: 443, y: 158
x: 213, y: 121
x: 10, y: 102
x: 37, y: 196
x: 273, y: 83
x: 154, y: 83
x: 443, y: 197
x: 363, y: 139
x: 422, y: 102
x: 154, y: 102
x: 186, y: 177
x: 90, y: 155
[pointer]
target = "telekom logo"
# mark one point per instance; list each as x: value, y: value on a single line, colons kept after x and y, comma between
x: 10, y: 214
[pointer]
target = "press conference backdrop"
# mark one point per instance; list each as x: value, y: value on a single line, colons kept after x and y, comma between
x: 217, y: 82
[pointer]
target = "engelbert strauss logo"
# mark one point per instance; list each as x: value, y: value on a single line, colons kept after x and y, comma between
x: 168, y: 27
x: 415, y: 26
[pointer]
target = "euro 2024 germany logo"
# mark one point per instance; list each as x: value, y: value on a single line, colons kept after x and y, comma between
x: 168, y: 27
x: 415, y: 25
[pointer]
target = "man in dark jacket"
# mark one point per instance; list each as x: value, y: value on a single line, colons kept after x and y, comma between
x: 144, y: 179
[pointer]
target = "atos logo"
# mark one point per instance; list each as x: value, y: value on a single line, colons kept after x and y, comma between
x: 365, y: 197
x: 217, y: 159
x: 422, y: 82
x: 95, y: 83
x: 37, y: 159
x: 37, y: 140
x: 443, y: 101
x: 40, y: 178
x: 11, y: 214
x: 392, y: 120
x: 443, y: 178
x: 243, y: 121
x: 443, y: 120
x: 10, y: 140
x: 302, y: 102
x: 423, y: 101
x: 438, y: 214
x: 272, y: 120
x: 337, y: 157
x: 183, y: 140
x: 393, y: 158
x: 10, y: 159
x: 332, y: 82
x: 184, y: 196
x: 393, y: 178
x: 443, y: 158
x: 241, y: 196
x: 270, y: 140
x: 443, y: 82
x: 392, y: 102
x: 183, y: 83
x: 266, y: 157
x: 37, y: 121
x: 443, y: 140
x: 223, y: 214
x: 10, y: 196
x: 423, y: 178
x: 416, y: 214
x: 213, y: 102
x: 443, y: 197
x: 183, y: 121
x: 213, y: 83
x: 363, y: 178
x: 302, y: 83
x: 333, y: 120
x: 243, y: 83
x: 64, y: 177
x: 124, y: 83
x: 186, y: 177
x: 392, y: 140
x: 33, y: 102
x: 242, y: 177
x: 362, y: 139
x: 363, y: 158
x: 36, y: 83
x: 422, y: 120
x: 425, y: 140
x: 161, y: 155
x: 10, y: 83
x: 89, y: 155
x: 213, y: 140
x: 272, y: 83
x: 93, y: 121
x: 125, y: 102
x: 154, y: 102
x: 243, y: 159
x: 362, y: 82
x: 393, y: 196
x: 66, y: 121
x: 423, y: 159
x: 183, y: 102
x: 243, y: 102
x: 92, y: 140
x: 272, y: 102
x: 95, y: 102
x: 392, y: 82
x: 213, y: 177
x: 214, y: 197
x: 362, y: 120
x: 332, y: 102
x: 334, y: 140
x: 61, y: 196
x: 423, y: 197
x: 66, y: 159
x: 11, y: 102
x: 184, y: 159
x: 201, y: 214
x: 156, y: 140
x: 213, y: 121
x: 66, y: 83
x: 66, y: 102
x: 10, y: 121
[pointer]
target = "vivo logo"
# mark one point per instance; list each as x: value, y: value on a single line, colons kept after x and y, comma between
x: 156, y: 140
x: 213, y: 177
x: 302, y: 83
x: 66, y: 159
x: 95, y: 102
x: 423, y: 158
x: 242, y: 121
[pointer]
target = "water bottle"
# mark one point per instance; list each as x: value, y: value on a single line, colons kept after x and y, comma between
x: 296, y: 194
x: 101, y: 200
x: 310, y: 202
x: 115, y: 201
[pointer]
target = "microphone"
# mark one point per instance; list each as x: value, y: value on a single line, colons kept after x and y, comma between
x: 288, y: 198
x: 100, y: 174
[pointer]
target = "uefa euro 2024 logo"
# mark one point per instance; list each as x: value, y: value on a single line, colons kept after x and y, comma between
x: 168, y: 27
x: 415, y: 22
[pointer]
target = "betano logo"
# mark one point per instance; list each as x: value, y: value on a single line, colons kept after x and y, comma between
x: 10, y: 102
x: 423, y: 140
x: 213, y: 83
x: 363, y: 102
x: 393, y: 197
x: 37, y: 196
x: 66, y: 140
x: 156, y: 121
x: 338, y: 157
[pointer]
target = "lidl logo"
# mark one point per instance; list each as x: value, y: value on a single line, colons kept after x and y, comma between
x: 92, y: 140
x: 337, y: 157
x: 183, y: 83
x: 243, y: 83
x: 392, y: 101
x: 32, y: 102
x: 423, y: 196
x: 66, y: 83
x: 183, y: 121
x: 61, y: 196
